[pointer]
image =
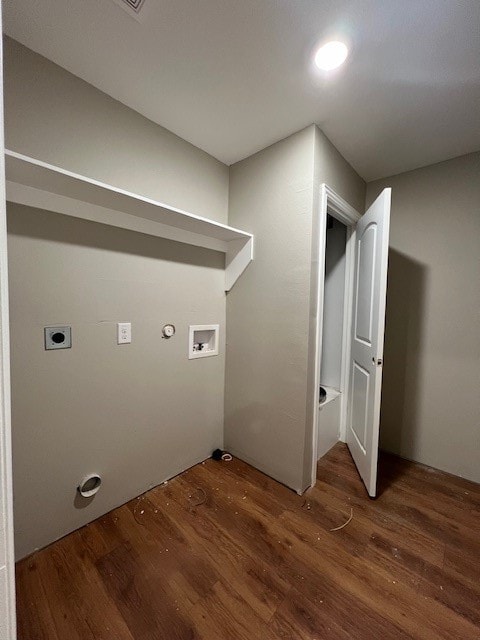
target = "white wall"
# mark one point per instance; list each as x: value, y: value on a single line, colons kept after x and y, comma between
x: 431, y: 400
x: 329, y: 416
x: 137, y: 413
x: 333, y: 300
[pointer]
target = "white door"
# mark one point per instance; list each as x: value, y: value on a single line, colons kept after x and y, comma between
x: 368, y: 325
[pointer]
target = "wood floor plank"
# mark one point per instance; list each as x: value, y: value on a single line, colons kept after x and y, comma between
x: 259, y: 534
x: 225, y: 614
x: 35, y: 619
x: 298, y: 617
x: 463, y: 565
x: 141, y: 599
x: 254, y: 580
x: 429, y: 581
x: 378, y: 586
x: 96, y: 614
x: 370, y: 517
x: 223, y: 552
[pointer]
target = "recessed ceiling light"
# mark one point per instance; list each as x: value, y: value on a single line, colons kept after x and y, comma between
x: 331, y: 55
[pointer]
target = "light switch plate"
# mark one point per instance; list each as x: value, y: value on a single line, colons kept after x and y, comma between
x: 58, y: 338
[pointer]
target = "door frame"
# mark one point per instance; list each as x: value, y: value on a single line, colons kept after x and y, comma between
x: 7, y: 572
x: 331, y: 203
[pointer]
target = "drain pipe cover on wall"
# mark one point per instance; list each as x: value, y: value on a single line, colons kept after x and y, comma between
x: 89, y: 486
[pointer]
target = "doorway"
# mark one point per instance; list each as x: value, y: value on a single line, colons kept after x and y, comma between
x: 349, y: 330
x: 337, y: 222
x: 332, y: 374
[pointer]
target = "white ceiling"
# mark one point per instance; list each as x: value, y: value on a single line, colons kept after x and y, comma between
x: 233, y: 76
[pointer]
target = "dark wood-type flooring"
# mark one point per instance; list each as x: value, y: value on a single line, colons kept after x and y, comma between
x: 223, y: 552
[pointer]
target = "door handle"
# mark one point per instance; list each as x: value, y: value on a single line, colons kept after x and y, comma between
x: 377, y: 361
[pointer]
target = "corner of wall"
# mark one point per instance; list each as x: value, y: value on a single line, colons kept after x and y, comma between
x: 329, y: 167
x: 333, y: 169
x: 271, y: 195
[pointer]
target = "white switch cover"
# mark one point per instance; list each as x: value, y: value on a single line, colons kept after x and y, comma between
x: 124, y: 332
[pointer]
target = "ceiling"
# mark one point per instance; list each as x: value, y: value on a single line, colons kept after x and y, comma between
x: 233, y: 76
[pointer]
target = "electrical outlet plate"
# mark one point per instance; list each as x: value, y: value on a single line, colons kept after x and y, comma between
x: 58, y: 338
x: 124, y: 332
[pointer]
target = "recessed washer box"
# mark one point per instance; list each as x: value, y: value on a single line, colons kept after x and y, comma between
x: 58, y: 338
x: 203, y: 340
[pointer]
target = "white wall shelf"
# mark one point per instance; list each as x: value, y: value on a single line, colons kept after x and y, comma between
x: 37, y: 184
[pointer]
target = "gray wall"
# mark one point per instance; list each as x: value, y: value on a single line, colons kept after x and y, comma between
x: 331, y: 168
x: 137, y: 413
x: 269, y: 312
x: 271, y: 195
x: 54, y: 116
x: 431, y: 400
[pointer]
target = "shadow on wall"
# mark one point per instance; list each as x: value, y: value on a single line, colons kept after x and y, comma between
x: 401, y: 393
x: 79, y: 502
x: 55, y: 227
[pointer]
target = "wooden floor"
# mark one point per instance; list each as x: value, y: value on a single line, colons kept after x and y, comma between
x: 223, y: 553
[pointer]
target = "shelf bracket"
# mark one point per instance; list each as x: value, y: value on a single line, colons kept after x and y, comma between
x: 239, y: 254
